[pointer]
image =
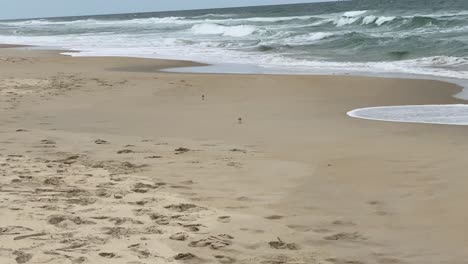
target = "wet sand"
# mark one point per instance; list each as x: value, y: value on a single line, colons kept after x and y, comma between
x: 108, y: 160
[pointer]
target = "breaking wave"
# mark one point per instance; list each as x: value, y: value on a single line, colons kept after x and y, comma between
x: 404, y: 39
x: 231, y: 31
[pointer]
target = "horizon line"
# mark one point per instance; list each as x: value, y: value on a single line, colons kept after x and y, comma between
x: 172, y: 10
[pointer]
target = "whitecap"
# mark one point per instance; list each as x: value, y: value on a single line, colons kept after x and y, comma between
x: 369, y: 20
x: 384, y: 19
x: 354, y: 13
x: 231, y: 31
x: 307, y: 38
x: 342, y: 21
x: 349, y: 18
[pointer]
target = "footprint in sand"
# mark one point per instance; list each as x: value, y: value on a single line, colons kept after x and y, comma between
x: 125, y: 151
x: 300, y: 228
x: 101, y: 142
x: 107, y: 255
x: 343, y: 223
x: 117, y: 232
x: 137, y: 190
x: 22, y: 257
x: 122, y: 220
x: 234, y: 164
x: 153, y: 230
x: 179, y: 236
x: 193, y: 227
x: 48, y: 142
x: 238, y: 150
x: 141, y: 253
x: 159, y: 218
x: 181, y: 150
x: 153, y: 157
x: 79, y: 260
x: 274, y: 217
x: 346, y: 236
x: 64, y: 221
x: 224, y: 259
x: 53, y: 181
x: 140, y: 185
x: 214, y: 242
x: 224, y: 219
x: 183, y: 207
x: 280, y: 244
x: 180, y: 187
x: 103, y: 193
x: 343, y: 261
x: 184, y: 256
x: 144, y: 188
x: 69, y: 160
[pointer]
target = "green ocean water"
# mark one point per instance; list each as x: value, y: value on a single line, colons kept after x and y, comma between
x: 411, y: 36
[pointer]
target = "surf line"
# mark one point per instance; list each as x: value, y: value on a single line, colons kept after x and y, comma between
x: 449, y: 114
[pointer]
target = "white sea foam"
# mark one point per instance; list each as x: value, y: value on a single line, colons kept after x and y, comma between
x: 97, y: 23
x: 456, y: 114
x: 44, y: 22
x: 342, y: 21
x: 384, y: 19
x: 354, y: 13
x: 349, y: 17
x: 307, y: 38
x: 377, y: 20
x: 216, y: 15
x: 274, y: 19
x: 212, y: 51
x: 231, y: 31
x: 156, y: 20
x: 369, y: 20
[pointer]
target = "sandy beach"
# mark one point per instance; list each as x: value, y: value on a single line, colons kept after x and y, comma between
x: 108, y: 160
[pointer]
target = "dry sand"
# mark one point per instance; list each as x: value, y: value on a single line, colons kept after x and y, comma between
x: 106, y: 160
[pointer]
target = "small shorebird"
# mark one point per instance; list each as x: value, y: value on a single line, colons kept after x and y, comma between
x: 203, y: 97
x: 240, y: 120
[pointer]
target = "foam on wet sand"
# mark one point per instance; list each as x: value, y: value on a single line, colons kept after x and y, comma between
x: 455, y: 114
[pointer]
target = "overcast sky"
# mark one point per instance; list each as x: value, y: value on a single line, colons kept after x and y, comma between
x: 10, y: 9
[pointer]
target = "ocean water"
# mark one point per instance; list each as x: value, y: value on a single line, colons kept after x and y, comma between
x: 428, y: 37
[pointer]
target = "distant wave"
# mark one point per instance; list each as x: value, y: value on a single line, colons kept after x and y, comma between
x: 215, y: 16
x: 232, y: 31
x: 362, y: 17
x: 157, y: 20
x: 307, y: 38
x: 377, y: 20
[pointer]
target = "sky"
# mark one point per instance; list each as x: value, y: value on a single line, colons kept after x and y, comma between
x: 12, y: 9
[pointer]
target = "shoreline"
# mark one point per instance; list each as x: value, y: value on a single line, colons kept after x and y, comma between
x: 195, y: 67
x: 199, y: 67
x: 138, y: 166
